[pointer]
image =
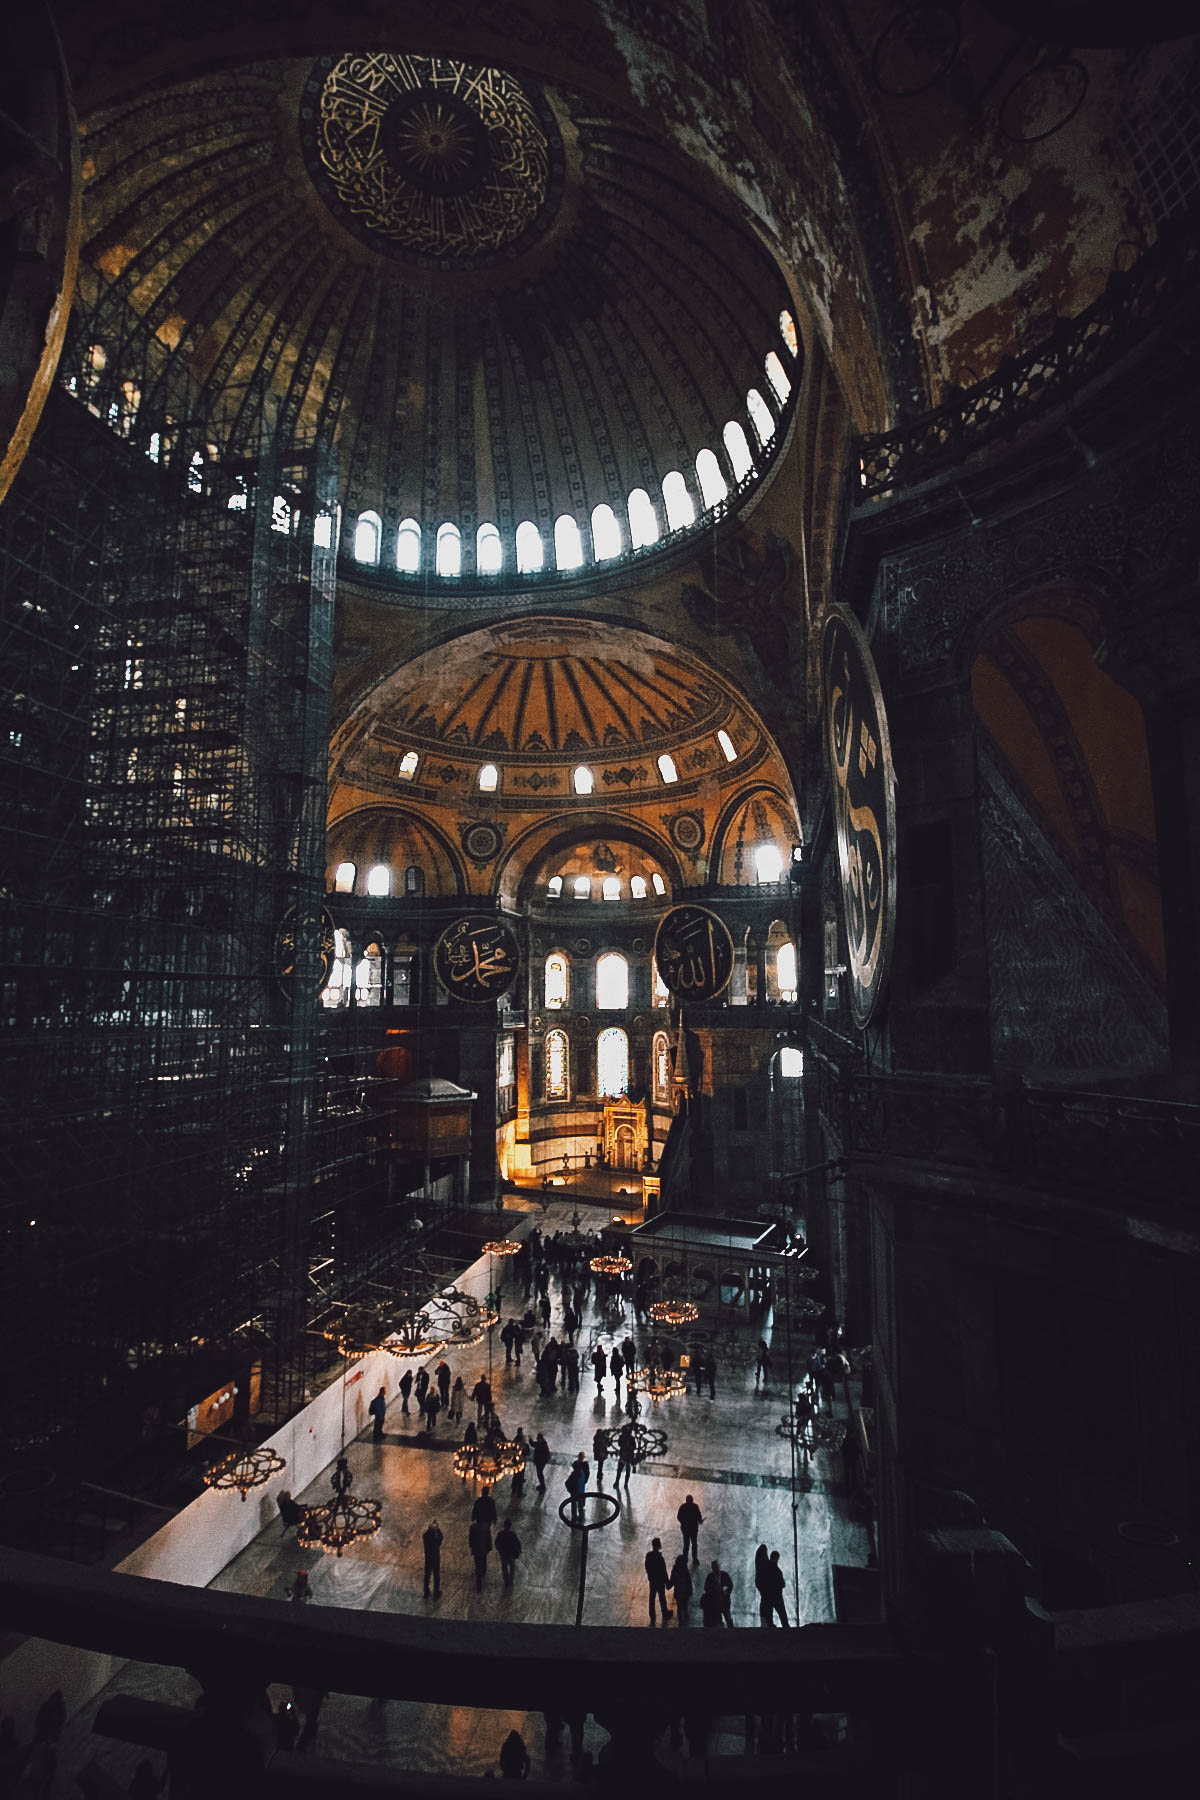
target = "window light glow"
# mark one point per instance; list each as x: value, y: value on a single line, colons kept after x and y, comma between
x: 643, y: 525
x: 366, y: 537
x: 612, y: 1063
x: 667, y: 769
x: 448, y: 555
x: 785, y: 971
x: 323, y: 531
x: 777, y: 376
x: 612, y: 982
x: 343, y: 878
x: 581, y: 887
x: 583, y: 780
x: 637, y: 886
x: 611, y: 889
x: 554, y: 886
x: 738, y: 450
x: 659, y: 885
x: 726, y: 743
x: 379, y: 881
x: 568, y: 545
x: 408, y: 765
x: 489, y: 778
x: 768, y: 863
x: 408, y: 547
x: 677, y: 502
x: 661, y: 993
x: 556, y: 1065
x: 530, y: 549
x: 713, y: 488
x: 787, y: 331
x: 791, y: 1063
x: 489, y: 551
x: 761, y: 416
x: 556, y: 980
x: 606, y: 533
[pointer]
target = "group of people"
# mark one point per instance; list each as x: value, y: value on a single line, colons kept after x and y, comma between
x: 716, y: 1595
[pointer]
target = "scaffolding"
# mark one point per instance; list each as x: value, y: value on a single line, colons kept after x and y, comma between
x: 168, y: 1124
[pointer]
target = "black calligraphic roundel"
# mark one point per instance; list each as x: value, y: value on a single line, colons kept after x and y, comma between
x: 477, y: 958
x: 312, y: 933
x: 694, y: 953
x: 864, y: 807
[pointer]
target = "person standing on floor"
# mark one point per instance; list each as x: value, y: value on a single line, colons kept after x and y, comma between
x: 541, y: 1456
x: 616, y: 1364
x: 656, y: 1576
x: 762, y: 1363
x: 720, y: 1584
x: 479, y: 1541
x: 599, y: 1452
x: 458, y: 1394
x: 545, y: 1309
x: 572, y: 1360
x: 442, y: 1374
x: 690, y: 1520
x: 484, y: 1509
x: 576, y: 1484
x: 599, y: 1365
x: 406, y: 1387
x: 377, y: 1409
x: 481, y: 1394
x: 626, y: 1445
x: 514, y: 1758
x: 761, y: 1563
x: 508, y: 1548
x: 680, y: 1585
x: 773, y: 1588
x: 431, y: 1543
x: 433, y: 1406
x: 422, y: 1388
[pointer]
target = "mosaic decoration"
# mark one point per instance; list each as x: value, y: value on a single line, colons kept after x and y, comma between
x: 693, y: 952
x: 686, y: 830
x: 430, y: 159
x: 481, y: 840
x: 477, y: 958
x: 864, y: 806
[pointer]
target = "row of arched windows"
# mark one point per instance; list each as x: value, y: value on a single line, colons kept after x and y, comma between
x: 612, y: 1065
x: 582, y: 887
x: 377, y: 882
x: 612, y: 982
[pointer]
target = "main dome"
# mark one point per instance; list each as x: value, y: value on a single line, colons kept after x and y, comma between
x: 501, y: 304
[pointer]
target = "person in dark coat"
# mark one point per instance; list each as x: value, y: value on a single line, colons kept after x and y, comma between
x: 377, y: 1410
x: 599, y: 1451
x: 774, y: 1584
x: 718, y: 1583
x: 442, y: 1373
x: 457, y: 1395
x: 508, y: 1548
x: 481, y: 1394
x: 680, y: 1585
x: 290, y: 1511
x: 656, y: 1575
x: 422, y: 1388
x: 576, y: 1484
x: 406, y: 1387
x: 431, y: 1543
x: 626, y: 1445
x: 484, y: 1509
x: 599, y: 1365
x: 514, y: 1758
x: 479, y: 1539
x: 433, y: 1406
x: 541, y: 1456
x: 616, y: 1365
x: 300, y: 1590
x: 762, y: 1363
x: 690, y: 1520
x: 761, y: 1563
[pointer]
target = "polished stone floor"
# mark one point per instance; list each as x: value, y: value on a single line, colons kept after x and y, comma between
x: 724, y: 1451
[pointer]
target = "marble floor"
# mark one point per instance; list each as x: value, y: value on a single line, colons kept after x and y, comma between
x: 723, y: 1451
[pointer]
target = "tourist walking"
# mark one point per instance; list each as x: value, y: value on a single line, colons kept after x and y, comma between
x: 458, y: 1394
x: 600, y: 1452
x: 406, y: 1387
x: 656, y: 1576
x: 541, y: 1456
x: 599, y: 1365
x: 616, y: 1364
x: 431, y: 1543
x: 721, y: 1584
x: 626, y: 1445
x: 680, y: 1585
x: 774, y: 1584
x: 377, y: 1409
x: 508, y: 1548
x: 442, y: 1376
x: 762, y: 1363
x: 690, y: 1520
x: 576, y: 1484
x: 479, y: 1540
x: 422, y: 1388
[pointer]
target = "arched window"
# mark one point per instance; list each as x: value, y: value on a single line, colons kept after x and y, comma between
x: 612, y: 982
x: 785, y: 972
x: 408, y: 547
x: 713, y: 487
x: 366, y: 537
x: 611, y: 887
x: 738, y: 450
x: 581, y: 887
x: 768, y: 863
x: 408, y: 765
x: 791, y: 1063
x: 448, y: 554
x: 667, y: 769
x: 660, y: 994
x: 777, y: 376
x: 489, y: 778
x: 677, y: 502
x: 414, y: 879
x: 368, y: 978
x: 558, y: 980
x: 658, y: 884
x: 530, y: 549
x: 637, y: 887
x: 787, y: 331
x: 760, y: 413
x: 643, y: 526
x: 568, y: 545
x: 583, y: 781
x: 343, y: 878
x: 337, y: 989
x: 726, y: 743
x: 323, y: 531
x: 379, y: 881
x: 557, y: 1064
x: 660, y: 1061
x: 554, y: 887
x: 489, y: 551
x: 606, y: 533
x: 612, y: 1063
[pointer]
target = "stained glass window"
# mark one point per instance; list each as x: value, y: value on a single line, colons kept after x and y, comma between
x: 612, y: 1063
x: 556, y: 1065
x: 612, y: 982
x: 557, y: 979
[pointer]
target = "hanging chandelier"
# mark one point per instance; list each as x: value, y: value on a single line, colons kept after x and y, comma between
x: 674, y: 1312
x: 502, y: 1247
x: 799, y: 1310
x: 243, y: 1470
x: 655, y: 1378
x: 497, y: 1455
x: 612, y: 1266
x: 343, y: 1520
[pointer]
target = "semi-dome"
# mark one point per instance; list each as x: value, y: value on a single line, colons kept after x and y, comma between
x: 522, y: 320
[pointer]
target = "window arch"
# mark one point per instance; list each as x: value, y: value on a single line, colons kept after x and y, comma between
x: 583, y: 781
x: 713, y: 488
x: 785, y: 972
x: 343, y: 878
x: 558, y: 980
x: 414, y: 879
x: 408, y: 765
x: 606, y: 533
x: 379, y: 881
x: 554, y: 886
x: 368, y: 978
x: 677, y: 502
x: 761, y: 416
x: 568, y: 544
x: 408, y: 547
x: 660, y: 1062
x: 337, y: 989
x: 612, y: 1063
x: 612, y: 982
x: 489, y: 778
x: 658, y: 884
x: 791, y: 1063
x: 610, y: 887
x: 489, y: 551
x: 660, y: 993
x: 726, y: 743
x: 643, y: 525
x: 777, y: 375
x: 637, y: 887
x: 448, y: 553
x: 581, y: 887
x: 787, y: 331
x: 530, y: 549
x: 558, y: 1062
x: 667, y: 769
x: 366, y: 537
x: 768, y: 862
x: 738, y: 450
